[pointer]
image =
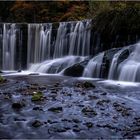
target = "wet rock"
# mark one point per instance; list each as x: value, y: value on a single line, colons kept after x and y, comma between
x: 19, y: 119
x: 108, y: 126
x: 137, y: 121
x: 34, y: 74
x: 52, y: 122
x: 2, y: 80
x: 93, y: 97
x: 41, y: 87
x: 88, y: 85
x: 123, y: 110
x: 56, y: 109
x: 67, y: 94
x: 37, y: 108
x: 19, y: 71
x: 75, y: 70
x: 103, y: 102
x: 18, y: 105
x: 76, y: 128
x: 37, y: 123
x: 104, y: 93
x: 7, y: 96
x: 58, y: 129
x: 89, y: 111
x: 89, y: 124
x: 56, y: 84
x: 85, y: 85
x: 76, y: 121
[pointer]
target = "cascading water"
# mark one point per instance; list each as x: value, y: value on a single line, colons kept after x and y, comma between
x: 39, y: 42
x: 56, y: 65
x: 93, y: 68
x: 44, y: 42
x: 113, y: 73
x: 9, y: 47
x: 73, y: 38
x: 130, y: 68
x: 52, y: 50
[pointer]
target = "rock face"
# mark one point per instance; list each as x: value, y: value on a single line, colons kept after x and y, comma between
x: 76, y: 70
x: 107, y: 61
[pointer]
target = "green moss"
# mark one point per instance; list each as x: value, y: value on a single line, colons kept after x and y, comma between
x: 2, y: 80
x: 38, y: 96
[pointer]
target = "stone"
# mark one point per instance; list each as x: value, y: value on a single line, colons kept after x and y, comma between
x: 75, y: 70
x: 89, y: 124
x: 85, y: 85
x: 89, y: 111
x: 18, y: 105
x: 56, y: 109
x: 37, y: 123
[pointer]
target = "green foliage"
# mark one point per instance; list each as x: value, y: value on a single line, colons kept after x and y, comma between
x: 113, y: 17
x: 2, y: 80
x: 38, y: 96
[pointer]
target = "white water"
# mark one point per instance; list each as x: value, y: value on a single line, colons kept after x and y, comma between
x: 93, y: 68
x: 114, y: 64
x: 73, y: 38
x: 9, y: 47
x: 44, y: 42
x: 39, y: 42
x: 130, y: 69
x: 56, y: 65
x: 52, y: 50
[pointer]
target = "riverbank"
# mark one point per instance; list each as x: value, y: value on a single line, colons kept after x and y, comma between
x: 68, y: 108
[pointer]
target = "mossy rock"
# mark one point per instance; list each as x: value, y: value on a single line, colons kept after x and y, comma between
x: 2, y: 80
x: 38, y: 96
x: 56, y: 109
x: 85, y: 85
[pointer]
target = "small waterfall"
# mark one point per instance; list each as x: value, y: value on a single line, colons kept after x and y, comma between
x: 80, y: 39
x: 130, y: 68
x: 9, y: 46
x: 113, y: 73
x: 56, y: 65
x: 93, y: 68
x: 39, y: 42
x: 61, y: 41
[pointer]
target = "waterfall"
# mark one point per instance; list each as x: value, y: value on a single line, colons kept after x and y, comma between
x: 73, y: 38
x: 130, y: 68
x: 93, y: 68
x: 46, y: 48
x: 39, y: 42
x: 9, y: 46
x: 125, y: 65
x: 44, y: 42
x: 56, y: 65
x: 114, y: 64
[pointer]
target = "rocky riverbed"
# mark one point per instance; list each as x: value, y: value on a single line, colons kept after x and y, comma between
x: 36, y: 106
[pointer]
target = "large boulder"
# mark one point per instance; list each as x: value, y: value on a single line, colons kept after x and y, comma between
x: 76, y: 70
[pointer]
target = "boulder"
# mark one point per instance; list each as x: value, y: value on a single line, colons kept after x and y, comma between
x: 76, y: 70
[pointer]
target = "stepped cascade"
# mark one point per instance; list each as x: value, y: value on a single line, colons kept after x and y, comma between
x: 54, y: 48
x: 93, y: 67
x: 44, y: 42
